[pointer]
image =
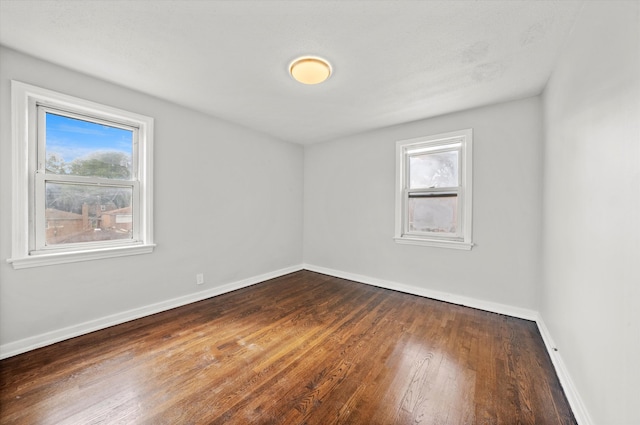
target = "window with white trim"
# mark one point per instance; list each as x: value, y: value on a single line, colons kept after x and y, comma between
x: 83, y: 179
x: 434, y: 190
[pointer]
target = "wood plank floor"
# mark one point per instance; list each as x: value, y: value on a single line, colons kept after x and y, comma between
x: 301, y: 349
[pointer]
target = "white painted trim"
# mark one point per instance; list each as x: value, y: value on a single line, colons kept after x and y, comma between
x: 463, y: 237
x: 575, y: 401
x: 433, y: 242
x: 521, y: 313
x: 48, y: 338
x: 84, y: 255
x: 26, y: 219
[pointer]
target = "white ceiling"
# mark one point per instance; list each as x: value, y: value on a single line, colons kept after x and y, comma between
x: 394, y: 61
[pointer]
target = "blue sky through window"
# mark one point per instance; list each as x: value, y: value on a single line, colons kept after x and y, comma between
x: 71, y: 138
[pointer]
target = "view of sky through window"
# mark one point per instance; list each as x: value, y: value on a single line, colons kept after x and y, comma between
x: 70, y: 139
x: 81, y: 211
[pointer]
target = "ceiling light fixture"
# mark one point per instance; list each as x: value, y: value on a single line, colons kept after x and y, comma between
x: 310, y: 70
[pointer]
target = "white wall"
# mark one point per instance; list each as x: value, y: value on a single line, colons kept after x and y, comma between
x: 228, y: 203
x: 591, y: 292
x: 565, y: 194
x: 349, y: 207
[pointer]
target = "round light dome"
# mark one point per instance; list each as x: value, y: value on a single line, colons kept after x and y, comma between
x: 310, y: 70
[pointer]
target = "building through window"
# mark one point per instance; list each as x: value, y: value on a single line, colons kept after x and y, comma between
x: 83, y: 186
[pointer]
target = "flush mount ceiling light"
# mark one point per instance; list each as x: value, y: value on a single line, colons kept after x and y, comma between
x: 310, y: 70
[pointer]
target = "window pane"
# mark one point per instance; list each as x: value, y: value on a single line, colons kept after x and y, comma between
x: 84, y: 148
x: 80, y: 213
x: 433, y: 213
x: 433, y: 170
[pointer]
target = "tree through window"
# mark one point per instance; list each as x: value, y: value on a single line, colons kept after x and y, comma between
x: 89, y: 176
x: 83, y: 179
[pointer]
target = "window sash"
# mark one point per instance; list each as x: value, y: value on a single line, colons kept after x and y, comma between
x: 42, y: 111
x: 410, y: 153
x: 460, y: 141
x: 42, y: 178
x: 418, y: 193
x: 429, y: 148
x: 41, y: 222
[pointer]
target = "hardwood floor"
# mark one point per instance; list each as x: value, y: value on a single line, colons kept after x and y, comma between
x: 301, y: 349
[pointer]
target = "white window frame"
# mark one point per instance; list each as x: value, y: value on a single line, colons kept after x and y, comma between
x: 29, y: 104
x: 461, y: 141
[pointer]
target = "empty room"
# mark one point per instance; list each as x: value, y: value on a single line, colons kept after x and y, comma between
x: 319, y: 212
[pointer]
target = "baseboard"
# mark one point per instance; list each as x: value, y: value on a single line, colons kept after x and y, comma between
x: 48, y: 338
x: 521, y: 313
x: 575, y: 401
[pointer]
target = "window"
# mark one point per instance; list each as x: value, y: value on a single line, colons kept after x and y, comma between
x: 433, y: 190
x: 82, y: 173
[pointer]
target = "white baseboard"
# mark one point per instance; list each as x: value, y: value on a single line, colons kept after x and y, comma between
x: 521, y: 313
x: 48, y: 338
x: 575, y: 401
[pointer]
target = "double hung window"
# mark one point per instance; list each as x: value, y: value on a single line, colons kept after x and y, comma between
x: 433, y: 190
x: 83, y: 179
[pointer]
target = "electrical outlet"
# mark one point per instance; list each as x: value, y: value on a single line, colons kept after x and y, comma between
x: 199, y: 279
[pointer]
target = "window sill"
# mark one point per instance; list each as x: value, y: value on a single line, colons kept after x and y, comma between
x: 434, y: 243
x: 75, y: 256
